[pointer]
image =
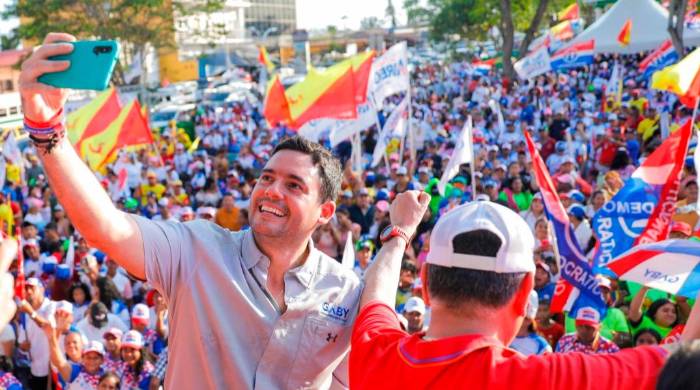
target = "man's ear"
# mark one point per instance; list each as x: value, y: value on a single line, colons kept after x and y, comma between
x: 522, y: 296
x: 424, y: 281
x: 327, y: 211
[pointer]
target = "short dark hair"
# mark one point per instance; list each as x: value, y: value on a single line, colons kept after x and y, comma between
x: 329, y: 168
x: 457, y: 286
x: 680, y: 370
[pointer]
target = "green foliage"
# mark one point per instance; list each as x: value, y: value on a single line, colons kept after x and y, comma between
x: 472, y: 19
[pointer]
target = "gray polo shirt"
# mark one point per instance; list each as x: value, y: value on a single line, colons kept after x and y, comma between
x: 226, y: 331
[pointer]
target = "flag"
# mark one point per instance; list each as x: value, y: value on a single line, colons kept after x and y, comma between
x: 534, y: 64
x: 484, y: 67
x: 93, y: 117
x: 344, y: 129
x: 681, y: 79
x: 575, y: 270
x: 623, y: 38
x: 128, y: 129
x: 660, y: 58
x: 348, y: 261
x: 394, y: 127
x: 546, y: 41
x: 10, y: 149
x: 276, y: 106
x: 641, y: 211
x: 70, y: 254
x: 614, y: 86
x: 389, y: 74
x: 361, y: 71
x: 462, y: 154
x: 325, y: 94
x: 264, y: 59
x: 562, y: 31
x: 574, y: 56
x: 569, y: 13
x: 194, y: 146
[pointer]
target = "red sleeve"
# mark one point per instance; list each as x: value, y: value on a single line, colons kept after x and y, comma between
x: 376, y: 330
x: 633, y: 368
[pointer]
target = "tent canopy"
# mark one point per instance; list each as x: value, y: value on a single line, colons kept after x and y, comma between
x: 649, y: 23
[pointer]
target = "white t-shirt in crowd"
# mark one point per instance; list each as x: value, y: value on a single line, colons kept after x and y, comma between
x: 95, y: 334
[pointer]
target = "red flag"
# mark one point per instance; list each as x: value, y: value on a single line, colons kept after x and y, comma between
x: 624, y: 36
x: 276, y: 106
x: 19, y: 280
x: 122, y: 179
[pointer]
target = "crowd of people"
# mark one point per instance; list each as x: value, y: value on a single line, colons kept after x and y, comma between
x: 85, y: 323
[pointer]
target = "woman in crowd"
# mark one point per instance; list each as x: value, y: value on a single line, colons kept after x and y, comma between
x: 135, y: 370
x: 661, y: 316
x: 515, y: 196
x: 76, y: 376
x: 79, y: 296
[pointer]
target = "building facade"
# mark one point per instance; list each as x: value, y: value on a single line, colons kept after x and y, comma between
x: 266, y: 14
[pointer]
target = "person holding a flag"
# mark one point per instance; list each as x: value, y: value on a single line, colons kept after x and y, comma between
x: 266, y: 290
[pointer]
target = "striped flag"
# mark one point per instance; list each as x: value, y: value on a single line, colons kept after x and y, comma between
x: 569, y: 13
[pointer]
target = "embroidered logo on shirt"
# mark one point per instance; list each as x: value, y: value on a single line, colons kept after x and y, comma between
x: 335, y: 312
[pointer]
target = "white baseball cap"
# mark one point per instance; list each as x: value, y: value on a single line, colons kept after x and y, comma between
x: 132, y: 339
x: 587, y: 316
x: 414, y: 304
x: 94, y: 346
x: 517, y: 241
x: 140, y: 312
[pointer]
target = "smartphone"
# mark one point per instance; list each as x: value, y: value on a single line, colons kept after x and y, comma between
x: 91, y: 66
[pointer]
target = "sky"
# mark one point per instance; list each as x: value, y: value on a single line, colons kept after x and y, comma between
x: 311, y: 14
x: 315, y: 14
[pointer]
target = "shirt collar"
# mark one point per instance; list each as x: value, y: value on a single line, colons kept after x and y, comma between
x: 416, y: 351
x: 305, y: 273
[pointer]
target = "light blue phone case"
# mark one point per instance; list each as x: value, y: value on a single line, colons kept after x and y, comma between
x: 91, y: 66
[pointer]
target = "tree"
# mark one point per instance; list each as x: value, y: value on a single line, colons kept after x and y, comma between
x: 534, y: 26
x: 676, y: 21
x: 9, y: 41
x: 416, y: 14
x: 508, y: 34
x: 369, y: 23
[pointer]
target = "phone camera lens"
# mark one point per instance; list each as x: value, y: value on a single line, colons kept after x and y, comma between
x: 102, y: 49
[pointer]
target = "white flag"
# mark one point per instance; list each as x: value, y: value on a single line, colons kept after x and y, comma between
x: 316, y: 129
x: 395, y: 127
x: 463, y: 153
x: 70, y: 255
x: 389, y: 74
x: 496, y: 107
x: 534, y: 64
x: 348, y: 254
x: 366, y: 117
x: 10, y: 149
x: 614, y: 87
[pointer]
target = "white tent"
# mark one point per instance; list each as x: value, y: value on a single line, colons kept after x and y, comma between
x: 649, y: 23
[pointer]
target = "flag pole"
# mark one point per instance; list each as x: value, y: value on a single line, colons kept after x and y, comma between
x: 473, y: 162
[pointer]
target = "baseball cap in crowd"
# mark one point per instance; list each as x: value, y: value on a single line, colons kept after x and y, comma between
x: 34, y: 282
x: 577, y: 211
x: 517, y: 241
x: 577, y: 196
x: 537, y: 196
x: 382, y: 206
x: 544, y: 266
x: 560, y: 146
x: 99, y: 314
x: 62, y: 272
x: 533, y: 302
x: 365, y: 244
x: 588, y: 316
x: 94, y: 346
x: 604, y: 282
x: 64, y: 306
x: 30, y: 242
x: 150, y: 174
x: 493, y: 148
x: 116, y: 332
x: 49, y: 265
x: 132, y: 339
x: 347, y: 194
x: 681, y: 227
x: 482, y: 198
x: 414, y: 304
x: 140, y: 313
x: 187, y: 210
x: 424, y: 170
x: 382, y: 195
x: 363, y: 191
x: 402, y: 171
x: 206, y: 211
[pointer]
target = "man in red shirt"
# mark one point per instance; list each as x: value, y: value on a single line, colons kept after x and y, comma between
x: 478, y: 277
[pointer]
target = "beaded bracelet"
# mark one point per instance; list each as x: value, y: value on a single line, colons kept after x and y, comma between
x: 45, y: 136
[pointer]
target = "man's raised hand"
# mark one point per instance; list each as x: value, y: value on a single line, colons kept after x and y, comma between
x: 407, y: 210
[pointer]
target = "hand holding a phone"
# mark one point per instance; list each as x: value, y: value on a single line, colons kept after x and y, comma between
x: 41, y: 102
